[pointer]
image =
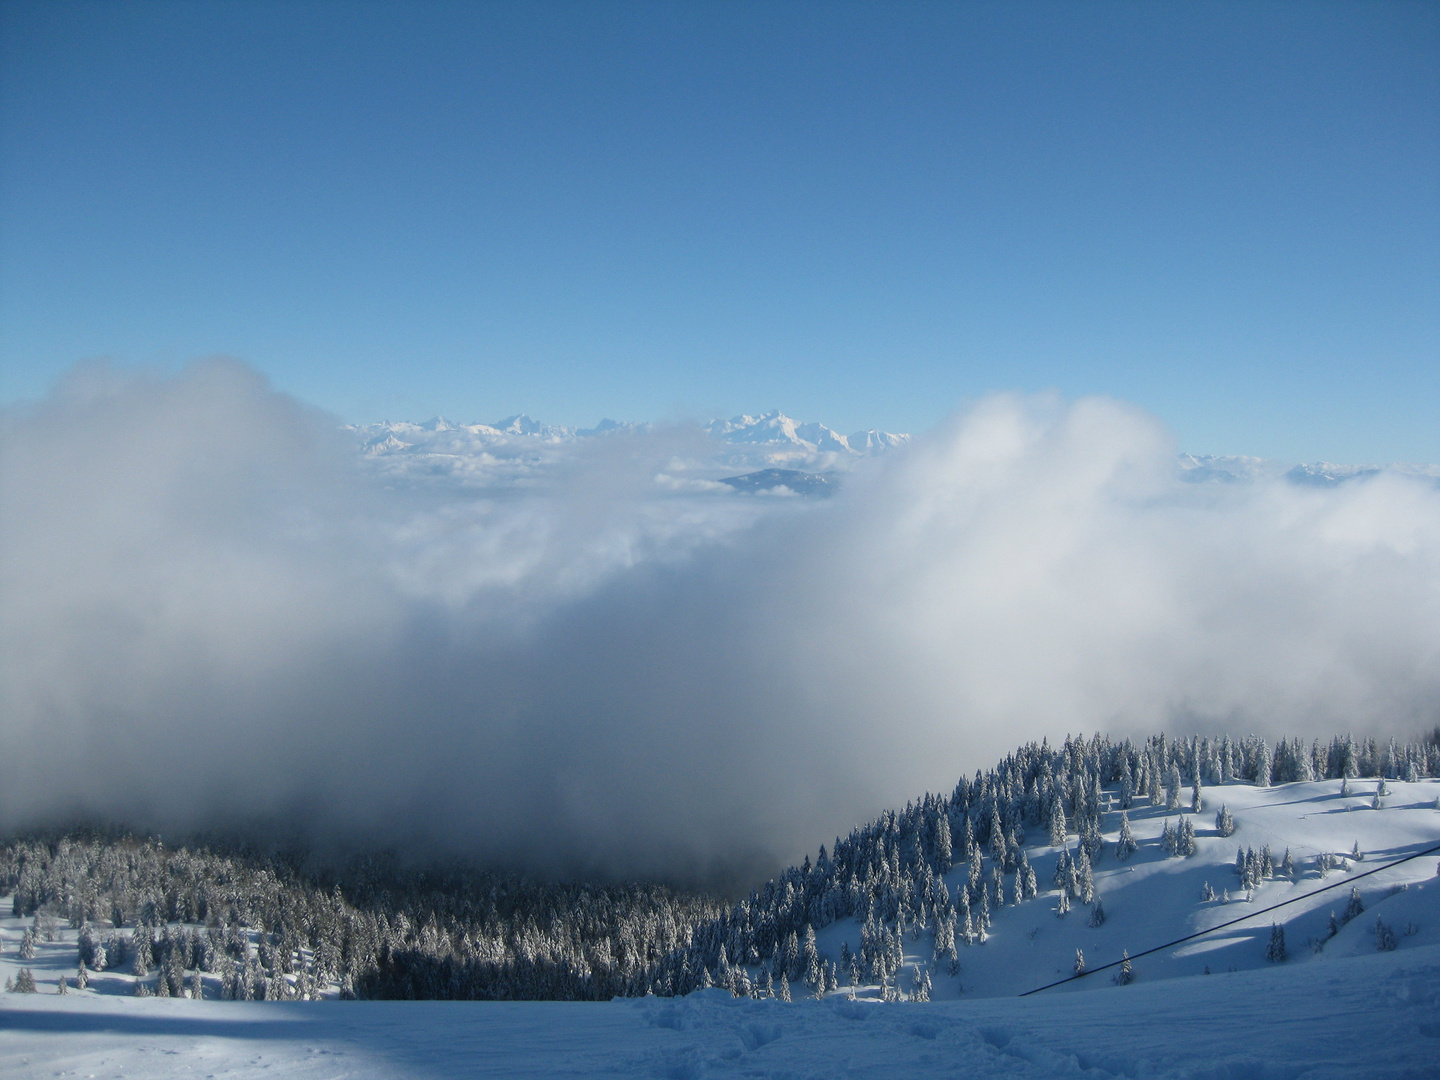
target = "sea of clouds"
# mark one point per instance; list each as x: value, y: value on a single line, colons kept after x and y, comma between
x: 215, y: 612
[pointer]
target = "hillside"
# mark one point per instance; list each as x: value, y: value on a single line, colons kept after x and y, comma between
x: 920, y: 904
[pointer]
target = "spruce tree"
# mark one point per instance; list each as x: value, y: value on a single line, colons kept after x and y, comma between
x: 1057, y: 823
x: 1384, y: 937
x: 1172, y: 788
x: 1224, y: 821
x: 1354, y: 907
x: 1125, y: 846
x: 1185, y: 842
x: 1126, y: 975
x: 1079, y: 962
x: 1032, y: 888
x: 1263, y: 765
x: 1275, y: 951
x: 943, y: 854
x: 1087, y: 879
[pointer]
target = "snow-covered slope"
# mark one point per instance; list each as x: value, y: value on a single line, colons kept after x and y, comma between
x: 1367, y: 1016
x: 1153, y: 897
x: 1343, y: 1000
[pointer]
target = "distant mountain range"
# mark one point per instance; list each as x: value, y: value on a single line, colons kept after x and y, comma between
x: 771, y: 429
x: 764, y: 453
x: 1232, y: 469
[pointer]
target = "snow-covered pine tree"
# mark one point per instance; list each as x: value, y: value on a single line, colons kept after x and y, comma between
x: 25, y: 981
x: 1384, y: 937
x: 1224, y: 821
x: 1126, y: 975
x: 1354, y: 907
x: 944, y: 856
x: 1079, y: 962
x: 1097, y: 915
x: 1032, y: 887
x: 1197, y: 803
x: 1264, y: 763
x: 810, y: 958
x: 1086, y: 875
x: 1061, y: 878
x: 1057, y: 823
x: 1275, y: 950
x: 1125, y: 846
x: 997, y: 837
x: 1185, y: 841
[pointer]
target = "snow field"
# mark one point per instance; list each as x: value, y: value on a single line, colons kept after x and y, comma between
x: 1376, y: 1015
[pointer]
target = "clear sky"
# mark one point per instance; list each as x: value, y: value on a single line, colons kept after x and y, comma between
x: 1228, y: 214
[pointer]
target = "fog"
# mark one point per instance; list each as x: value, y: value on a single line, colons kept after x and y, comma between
x: 212, y: 614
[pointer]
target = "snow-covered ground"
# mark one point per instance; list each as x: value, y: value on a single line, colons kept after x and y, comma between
x: 1213, y: 1007
x: 1362, y: 1016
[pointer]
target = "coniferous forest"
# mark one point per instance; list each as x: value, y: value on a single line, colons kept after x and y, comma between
x: 262, y: 926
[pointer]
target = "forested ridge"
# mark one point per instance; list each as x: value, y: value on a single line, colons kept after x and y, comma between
x: 215, y: 918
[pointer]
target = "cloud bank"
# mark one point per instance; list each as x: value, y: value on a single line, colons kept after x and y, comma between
x: 211, y: 613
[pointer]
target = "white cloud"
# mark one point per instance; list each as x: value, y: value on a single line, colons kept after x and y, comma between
x: 214, y: 611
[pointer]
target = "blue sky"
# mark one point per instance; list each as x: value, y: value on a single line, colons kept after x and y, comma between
x: 862, y: 214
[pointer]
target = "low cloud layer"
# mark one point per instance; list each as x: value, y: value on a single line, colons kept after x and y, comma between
x: 212, y: 612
